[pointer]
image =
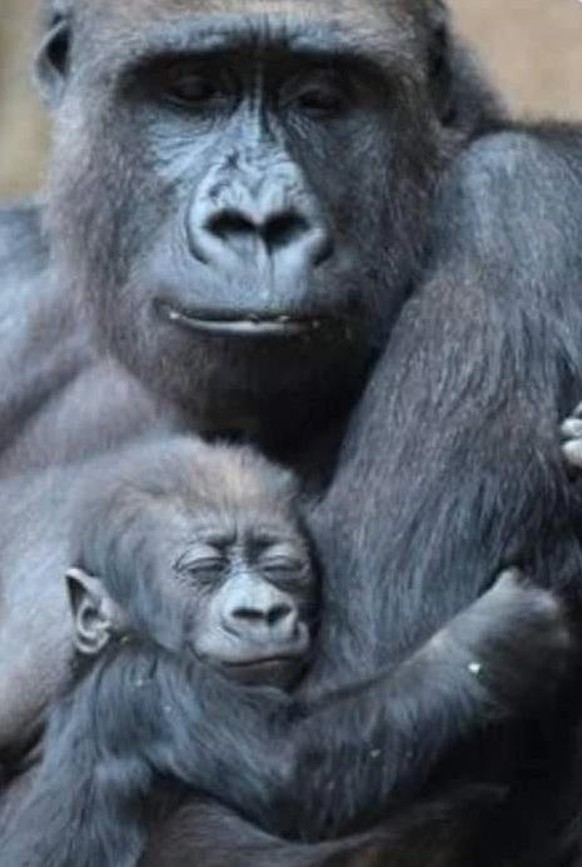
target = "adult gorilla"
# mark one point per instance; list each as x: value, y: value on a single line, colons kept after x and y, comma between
x: 244, y: 195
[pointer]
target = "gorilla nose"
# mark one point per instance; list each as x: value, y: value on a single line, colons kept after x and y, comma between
x: 265, y: 620
x: 257, y: 233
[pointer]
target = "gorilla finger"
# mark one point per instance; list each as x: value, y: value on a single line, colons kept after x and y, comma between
x: 572, y: 428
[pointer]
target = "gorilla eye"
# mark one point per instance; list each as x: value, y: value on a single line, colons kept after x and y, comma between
x: 320, y: 101
x: 189, y: 89
x: 204, y: 565
x: 321, y: 97
x: 282, y: 565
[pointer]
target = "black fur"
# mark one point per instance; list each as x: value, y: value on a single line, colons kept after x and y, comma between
x: 454, y: 277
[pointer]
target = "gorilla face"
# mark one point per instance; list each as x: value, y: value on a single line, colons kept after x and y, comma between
x: 201, y: 550
x: 239, y: 190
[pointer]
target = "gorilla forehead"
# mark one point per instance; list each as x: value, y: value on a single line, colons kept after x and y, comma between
x: 339, y: 10
x: 383, y: 27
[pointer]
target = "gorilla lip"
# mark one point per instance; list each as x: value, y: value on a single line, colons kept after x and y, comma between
x: 282, y: 659
x: 278, y: 667
x: 221, y: 325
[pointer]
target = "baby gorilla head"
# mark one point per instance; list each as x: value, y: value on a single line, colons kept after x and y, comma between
x: 200, y: 550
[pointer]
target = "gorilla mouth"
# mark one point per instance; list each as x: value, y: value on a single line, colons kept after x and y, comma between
x: 241, y: 325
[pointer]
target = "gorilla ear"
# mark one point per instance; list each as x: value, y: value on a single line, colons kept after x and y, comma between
x: 96, y: 616
x: 52, y: 61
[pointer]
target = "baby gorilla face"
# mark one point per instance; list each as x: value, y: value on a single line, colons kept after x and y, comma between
x: 199, y: 549
x: 251, y: 594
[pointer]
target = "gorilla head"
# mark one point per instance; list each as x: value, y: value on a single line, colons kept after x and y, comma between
x: 239, y: 189
x: 201, y: 551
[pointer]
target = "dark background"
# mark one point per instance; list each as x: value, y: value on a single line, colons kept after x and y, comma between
x: 532, y: 48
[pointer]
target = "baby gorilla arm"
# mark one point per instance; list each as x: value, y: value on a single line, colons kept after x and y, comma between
x: 376, y: 742
x: 141, y: 713
x: 379, y: 741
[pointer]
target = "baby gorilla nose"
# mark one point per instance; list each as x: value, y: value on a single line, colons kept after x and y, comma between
x: 266, y: 615
x: 263, y: 637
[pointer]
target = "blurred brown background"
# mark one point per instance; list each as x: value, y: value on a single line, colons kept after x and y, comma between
x: 532, y: 48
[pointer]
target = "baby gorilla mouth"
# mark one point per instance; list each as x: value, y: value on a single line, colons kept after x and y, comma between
x: 274, y: 664
x: 277, y: 671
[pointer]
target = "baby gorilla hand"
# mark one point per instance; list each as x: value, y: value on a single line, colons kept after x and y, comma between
x: 516, y: 642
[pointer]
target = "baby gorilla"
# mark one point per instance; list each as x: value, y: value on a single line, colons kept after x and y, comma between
x: 198, y: 550
x: 192, y: 574
x: 189, y: 558
x: 200, y: 547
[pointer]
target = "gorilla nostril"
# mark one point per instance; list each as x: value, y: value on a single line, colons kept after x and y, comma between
x: 280, y: 231
x: 278, y: 613
x: 270, y: 616
x: 252, y: 615
x: 229, y: 225
x: 276, y: 232
x: 283, y: 231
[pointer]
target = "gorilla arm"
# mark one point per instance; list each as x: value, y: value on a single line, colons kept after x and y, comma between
x: 373, y: 743
x: 452, y: 468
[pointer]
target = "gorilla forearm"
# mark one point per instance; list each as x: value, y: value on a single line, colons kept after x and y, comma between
x: 464, y: 409
x: 456, y: 441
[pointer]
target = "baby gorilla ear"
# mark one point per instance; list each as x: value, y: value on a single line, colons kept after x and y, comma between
x: 95, y: 614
